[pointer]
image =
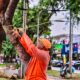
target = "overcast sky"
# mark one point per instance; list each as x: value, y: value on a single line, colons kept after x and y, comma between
x: 33, y: 3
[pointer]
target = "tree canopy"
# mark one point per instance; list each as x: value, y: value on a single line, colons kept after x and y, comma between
x: 71, y: 5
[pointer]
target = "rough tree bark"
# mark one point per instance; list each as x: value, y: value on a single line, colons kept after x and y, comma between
x: 10, y: 11
x: 2, y: 11
x: 7, y: 26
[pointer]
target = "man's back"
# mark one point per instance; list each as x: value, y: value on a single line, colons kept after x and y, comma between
x: 36, y: 69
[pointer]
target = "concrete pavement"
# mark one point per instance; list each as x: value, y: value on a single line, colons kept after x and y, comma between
x: 53, y: 78
x: 50, y: 78
x: 58, y: 69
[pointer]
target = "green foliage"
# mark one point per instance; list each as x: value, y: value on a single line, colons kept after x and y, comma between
x: 33, y: 21
x: 50, y: 3
x: 7, y: 48
x: 72, y: 5
x: 17, y: 19
x: 33, y: 17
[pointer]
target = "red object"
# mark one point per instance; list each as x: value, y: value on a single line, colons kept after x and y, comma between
x: 37, y: 66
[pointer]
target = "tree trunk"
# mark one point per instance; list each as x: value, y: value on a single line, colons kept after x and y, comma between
x: 7, y: 26
x: 10, y: 11
x: 22, y: 54
x: 2, y: 35
x: 2, y: 11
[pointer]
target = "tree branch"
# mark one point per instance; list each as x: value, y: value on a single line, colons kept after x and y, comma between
x: 10, y: 11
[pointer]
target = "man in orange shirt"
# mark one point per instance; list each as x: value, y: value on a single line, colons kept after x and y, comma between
x: 37, y: 66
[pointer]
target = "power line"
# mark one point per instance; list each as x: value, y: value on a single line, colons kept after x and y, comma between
x: 51, y: 23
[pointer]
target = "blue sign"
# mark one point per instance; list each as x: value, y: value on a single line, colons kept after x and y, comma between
x: 75, y: 48
x: 65, y: 48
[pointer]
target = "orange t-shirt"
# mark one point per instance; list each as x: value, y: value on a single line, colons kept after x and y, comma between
x: 38, y: 63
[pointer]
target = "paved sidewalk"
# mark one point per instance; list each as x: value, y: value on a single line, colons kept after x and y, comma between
x: 53, y: 78
x: 58, y: 69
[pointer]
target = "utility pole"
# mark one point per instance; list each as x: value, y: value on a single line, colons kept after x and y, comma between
x: 38, y: 29
x: 25, y: 8
x: 70, y: 37
x: 38, y: 25
x: 71, y: 45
